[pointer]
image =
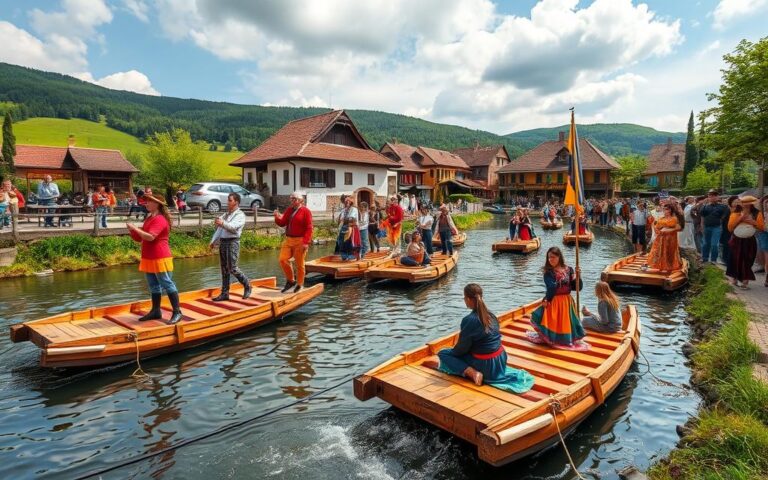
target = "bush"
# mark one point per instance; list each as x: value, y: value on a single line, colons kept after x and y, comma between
x: 467, y: 197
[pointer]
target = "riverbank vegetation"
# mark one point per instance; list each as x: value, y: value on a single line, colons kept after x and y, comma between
x: 729, y: 439
x: 81, y: 252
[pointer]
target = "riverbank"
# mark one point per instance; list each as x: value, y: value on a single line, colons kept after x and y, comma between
x: 81, y: 252
x: 729, y: 439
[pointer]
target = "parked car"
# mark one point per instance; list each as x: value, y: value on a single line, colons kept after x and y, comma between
x: 212, y: 196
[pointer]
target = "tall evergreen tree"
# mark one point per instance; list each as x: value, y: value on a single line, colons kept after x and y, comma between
x: 9, y: 144
x: 691, y: 152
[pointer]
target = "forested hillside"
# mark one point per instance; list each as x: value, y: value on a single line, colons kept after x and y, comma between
x: 612, y: 138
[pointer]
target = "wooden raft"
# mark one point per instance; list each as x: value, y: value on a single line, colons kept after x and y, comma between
x: 505, y: 426
x: 394, y: 270
x: 334, y: 266
x: 552, y: 225
x: 457, y: 240
x: 584, y: 239
x: 105, y: 335
x: 520, y: 246
x: 628, y: 271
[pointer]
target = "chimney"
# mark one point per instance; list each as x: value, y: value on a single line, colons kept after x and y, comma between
x: 71, y: 141
x: 394, y: 140
x: 669, y: 142
x: 561, y: 136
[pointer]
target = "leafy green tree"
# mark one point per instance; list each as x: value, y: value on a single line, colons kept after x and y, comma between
x: 173, y: 160
x: 9, y: 144
x: 691, y: 152
x: 213, y: 147
x: 630, y: 175
x: 700, y: 180
x: 736, y: 127
x: 228, y: 146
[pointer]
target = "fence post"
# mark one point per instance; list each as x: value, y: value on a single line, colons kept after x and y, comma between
x: 15, y: 226
x: 95, y: 225
x: 256, y: 219
x: 200, y: 218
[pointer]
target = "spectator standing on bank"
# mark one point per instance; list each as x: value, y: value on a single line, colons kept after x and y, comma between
x: 47, y: 194
x: 101, y: 202
x: 712, y: 215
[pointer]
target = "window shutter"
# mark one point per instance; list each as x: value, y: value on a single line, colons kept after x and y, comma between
x: 304, y: 173
x: 331, y: 182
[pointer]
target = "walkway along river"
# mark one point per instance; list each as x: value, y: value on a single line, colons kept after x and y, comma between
x: 64, y: 424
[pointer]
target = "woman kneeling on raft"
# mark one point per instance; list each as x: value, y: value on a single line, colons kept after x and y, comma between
x: 607, y: 319
x: 478, y: 354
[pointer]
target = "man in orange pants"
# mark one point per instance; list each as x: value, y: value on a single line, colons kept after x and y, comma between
x: 297, y: 221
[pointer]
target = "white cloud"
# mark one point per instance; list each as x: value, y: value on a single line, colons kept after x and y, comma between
x: 729, y: 11
x: 79, y: 19
x: 137, y: 8
x: 57, y: 53
x: 131, y: 81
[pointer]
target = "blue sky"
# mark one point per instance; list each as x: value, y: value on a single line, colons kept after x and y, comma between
x: 500, y: 66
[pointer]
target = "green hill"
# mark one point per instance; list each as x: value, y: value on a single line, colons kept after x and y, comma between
x: 612, y: 138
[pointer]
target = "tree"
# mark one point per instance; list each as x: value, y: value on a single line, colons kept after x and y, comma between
x: 691, y: 152
x: 699, y: 181
x: 736, y: 127
x: 9, y: 144
x: 630, y: 175
x: 173, y: 160
x: 228, y: 146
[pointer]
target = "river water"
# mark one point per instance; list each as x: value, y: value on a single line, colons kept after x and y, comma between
x: 62, y: 424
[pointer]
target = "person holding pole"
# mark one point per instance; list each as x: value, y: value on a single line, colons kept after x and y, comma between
x: 229, y: 227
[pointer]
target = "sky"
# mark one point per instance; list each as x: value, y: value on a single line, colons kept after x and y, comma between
x: 500, y: 66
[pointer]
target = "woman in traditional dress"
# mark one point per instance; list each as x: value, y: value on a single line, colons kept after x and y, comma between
x: 446, y: 229
x: 351, y: 242
x: 744, y: 223
x: 665, y: 252
x: 525, y: 228
x: 394, y: 224
x: 685, y: 237
x: 478, y: 354
x: 156, y: 257
x: 583, y: 227
x: 556, y: 321
x: 415, y: 252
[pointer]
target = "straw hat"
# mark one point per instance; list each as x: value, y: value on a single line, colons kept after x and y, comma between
x: 155, y: 198
x: 747, y: 199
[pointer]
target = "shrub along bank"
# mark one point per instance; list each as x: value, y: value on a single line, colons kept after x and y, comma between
x: 729, y: 439
x: 81, y: 252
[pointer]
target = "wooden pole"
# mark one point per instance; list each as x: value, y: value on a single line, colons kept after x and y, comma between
x: 578, y: 302
x: 200, y: 218
x: 15, y: 225
x: 256, y: 219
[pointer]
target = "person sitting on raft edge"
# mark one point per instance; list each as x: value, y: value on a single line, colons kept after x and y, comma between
x: 478, y: 354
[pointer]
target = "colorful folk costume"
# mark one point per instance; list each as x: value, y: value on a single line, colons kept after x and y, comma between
x: 558, y: 324
x: 394, y: 225
x: 665, y: 252
x: 351, y: 243
x: 482, y: 350
x: 743, y: 246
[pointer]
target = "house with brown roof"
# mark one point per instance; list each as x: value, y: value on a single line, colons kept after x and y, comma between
x: 543, y: 171
x: 84, y: 167
x: 324, y: 156
x: 665, y: 166
x: 485, y: 163
x: 410, y: 175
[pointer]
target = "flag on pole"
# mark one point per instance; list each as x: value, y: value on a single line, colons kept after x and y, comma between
x: 574, y: 190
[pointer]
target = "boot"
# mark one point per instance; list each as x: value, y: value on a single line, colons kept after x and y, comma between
x: 155, y: 313
x: 247, y: 290
x: 176, y: 315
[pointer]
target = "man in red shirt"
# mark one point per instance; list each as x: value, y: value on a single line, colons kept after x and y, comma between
x: 101, y: 203
x: 297, y: 221
x: 394, y: 224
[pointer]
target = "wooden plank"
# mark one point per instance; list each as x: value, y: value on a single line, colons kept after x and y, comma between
x: 543, y: 370
x: 594, y: 356
x: 603, y: 347
x: 563, y: 364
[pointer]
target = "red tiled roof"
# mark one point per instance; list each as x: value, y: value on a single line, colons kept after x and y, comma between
x: 441, y: 158
x: 89, y: 159
x: 662, y: 158
x: 404, y: 152
x: 481, y: 184
x: 480, y: 156
x: 545, y: 158
x: 300, y: 139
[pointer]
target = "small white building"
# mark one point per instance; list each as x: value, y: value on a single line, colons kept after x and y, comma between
x: 323, y: 155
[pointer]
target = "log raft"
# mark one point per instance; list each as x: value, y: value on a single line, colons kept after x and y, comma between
x: 394, y: 270
x: 552, y: 225
x: 504, y: 426
x: 628, y: 271
x: 458, y: 240
x: 584, y: 239
x: 112, y: 334
x: 519, y: 246
x: 334, y: 266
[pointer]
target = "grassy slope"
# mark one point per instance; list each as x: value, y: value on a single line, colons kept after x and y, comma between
x: 55, y: 131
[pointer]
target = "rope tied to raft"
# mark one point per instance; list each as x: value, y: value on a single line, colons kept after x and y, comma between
x: 557, y: 407
x: 659, y: 380
x: 139, y: 373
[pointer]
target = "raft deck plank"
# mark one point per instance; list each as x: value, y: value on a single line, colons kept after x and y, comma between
x: 628, y: 271
x: 519, y: 246
x: 392, y: 269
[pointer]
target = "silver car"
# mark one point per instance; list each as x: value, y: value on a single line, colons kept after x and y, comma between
x: 213, y: 196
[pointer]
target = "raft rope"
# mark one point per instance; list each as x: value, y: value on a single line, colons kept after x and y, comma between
x: 659, y: 380
x: 557, y: 407
x: 204, y: 436
x: 139, y: 373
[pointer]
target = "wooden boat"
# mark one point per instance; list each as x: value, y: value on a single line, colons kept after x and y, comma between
x: 505, y: 426
x: 394, y: 270
x: 552, y: 225
x: 334, y: 266
x: 520, y: 246
x: 495, y: 209
x: 584, y: 239
x: 457, y: 240
x: 113, y: 334
x: 628, y: 271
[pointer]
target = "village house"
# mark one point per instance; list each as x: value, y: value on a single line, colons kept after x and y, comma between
x: 84, y: 167
x: 485, y: 163
x: 410, y: 176
x: 542, y: 172
x: 665, y: 166
x: 324, y: 156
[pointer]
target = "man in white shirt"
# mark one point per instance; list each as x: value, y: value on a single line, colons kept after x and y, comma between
x: 229, y: 227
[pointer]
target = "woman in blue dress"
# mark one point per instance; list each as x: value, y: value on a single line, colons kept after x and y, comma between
x: 478, y: 354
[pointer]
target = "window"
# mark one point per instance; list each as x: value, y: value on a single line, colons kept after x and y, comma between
x: 347, y: 178
x: 286, y: 179
x: 596, y: 176
x: 522, y: 178
x: 653, y: 181
x: 316, y: 178
x: 539, y: 178
x: 559, y: 178
x: 371, y: 179
x: 549, y: 178
x: 249, y: 180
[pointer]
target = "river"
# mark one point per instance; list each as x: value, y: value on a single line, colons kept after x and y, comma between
x: 61, y: 424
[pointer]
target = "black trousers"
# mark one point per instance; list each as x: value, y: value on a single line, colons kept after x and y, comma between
x: 229, y: 254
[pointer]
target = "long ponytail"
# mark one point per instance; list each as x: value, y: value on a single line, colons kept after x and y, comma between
x: 475, y: 292
x: 162, y: 209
